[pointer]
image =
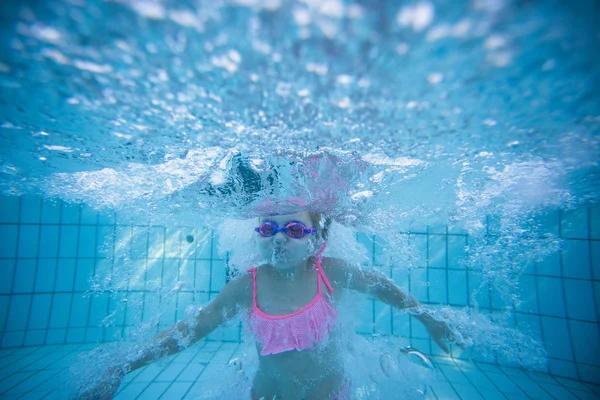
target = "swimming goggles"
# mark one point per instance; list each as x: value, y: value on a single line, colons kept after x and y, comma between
x: 294, y: 229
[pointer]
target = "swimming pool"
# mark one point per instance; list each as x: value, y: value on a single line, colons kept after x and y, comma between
x: 455, y: 145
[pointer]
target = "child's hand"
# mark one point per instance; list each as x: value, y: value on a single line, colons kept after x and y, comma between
x: 106, y: 387
x: 440, y: 331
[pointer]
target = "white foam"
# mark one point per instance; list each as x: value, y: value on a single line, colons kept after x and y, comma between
x: 63, y: 149
x: 56, y: 56
x: 416, y: 16
x: 435, y: 77
x: 92, y: 67
x: 148, y: 9
x: 186, y: 18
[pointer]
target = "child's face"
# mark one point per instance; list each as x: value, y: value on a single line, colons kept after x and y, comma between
x: 280, y: 250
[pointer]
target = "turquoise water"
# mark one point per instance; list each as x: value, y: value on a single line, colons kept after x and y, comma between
x: 455, y: 144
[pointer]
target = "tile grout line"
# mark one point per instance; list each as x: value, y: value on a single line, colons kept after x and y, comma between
x: 199, y: 375
x: 410, y: 338
x: 513, y: 382
x: 466, y: 377
x: 44, y: 355
x: 538, y: 384
x: 372, y: 299
x: 69, y: 313
x: 184, y: 368
x: 171, y: 383
x: 490, y: 379
x: 175, y: 314
x: 35, y: 275
x: 471, y: 383
x: 112, y: 270
x: 16, y: 361
x: 162, y: 310
x: 145, y: 269
x: 90, y: 298
x: 14, y: 275
x: 450, y: 383
x: 60, y: 215
x: 489, y: 284
x: 428, y: 264
x: 591, y: 266
x: 565, y: 302
x: 154, y: 379
x: 58, y: 371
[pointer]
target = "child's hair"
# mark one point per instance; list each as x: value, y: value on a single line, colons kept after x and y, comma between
x: 320, y: 222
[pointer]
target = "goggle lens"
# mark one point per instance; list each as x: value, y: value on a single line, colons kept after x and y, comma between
x: 295, y: 230
x: 266, y: 229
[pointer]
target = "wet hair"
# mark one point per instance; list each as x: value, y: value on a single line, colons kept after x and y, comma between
x: 320, y: 222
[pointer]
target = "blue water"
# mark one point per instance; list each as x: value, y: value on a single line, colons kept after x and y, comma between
x: 455, y: 144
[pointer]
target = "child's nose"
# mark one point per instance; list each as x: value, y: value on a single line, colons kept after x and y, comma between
x: 279, y: 237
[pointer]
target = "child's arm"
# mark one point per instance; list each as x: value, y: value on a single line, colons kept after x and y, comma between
x: 181, y: 335
x: 385, y: 290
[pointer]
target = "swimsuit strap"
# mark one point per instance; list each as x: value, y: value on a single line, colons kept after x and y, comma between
x: 320, y: 271
x: 253, y: 271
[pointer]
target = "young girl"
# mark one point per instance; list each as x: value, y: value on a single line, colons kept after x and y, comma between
x: 289, y: 303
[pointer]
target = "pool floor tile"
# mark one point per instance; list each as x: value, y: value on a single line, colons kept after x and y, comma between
x: 36, y: 373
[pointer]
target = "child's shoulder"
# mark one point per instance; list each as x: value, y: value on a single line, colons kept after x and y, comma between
x: 334, y: 268
x: 241, y: 280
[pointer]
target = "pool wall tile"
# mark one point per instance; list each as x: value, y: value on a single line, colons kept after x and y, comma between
x: 438, y: 286
x: 528, y: 294
x: 88, y: 215
x: 594, y: 222
x: 65, y: 273
x: 556, y: 336
x: 562, y: 368
x: 9, y: 209
x: 40, y: 311
x: 30, y: 209
x: 13, y: 339
x: 24, y: 278
x: 139, y: 245
x: 18, y: 312
x: 9, y: 235
x: 549, y: 222
x: 457, y: 255
x: 51, y: 210
x: 172, y: 242
x: 437, y: 251
x: 68, y: 241
x: 46, y: 272
x: 69, y: 213
x: 576, y: 259
x: 579, y: 296
x: 549, y: 265
x: 574, y: 223
x: 457, y: 288
x: 586, y: 342
x: 28, y: 241
x: 589, y: 373
x: 7, y: 270
x: 383, y: 318
x: 87, y: 242
x: 551, y: 296
x: 49, y: 238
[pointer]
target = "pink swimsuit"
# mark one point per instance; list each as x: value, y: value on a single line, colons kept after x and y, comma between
x: 299, y: 330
